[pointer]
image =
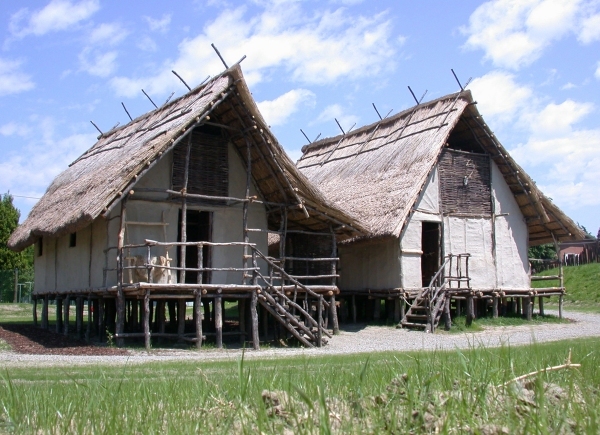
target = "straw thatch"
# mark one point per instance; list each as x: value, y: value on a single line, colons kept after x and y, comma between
x: 377, y: 172
x: 105, y: 174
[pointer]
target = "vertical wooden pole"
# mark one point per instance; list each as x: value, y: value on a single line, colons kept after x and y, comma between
x: 246, y: 206
x: 45, y: 312
x: 402, y: 308
x: 470, y: 314
x: 59, y: 314
x: 254, y: 315
x: 198, y: 317
x: 528, y: 308
x: 35, y: 317
x: 397, y: 317
x: 495, y: 306
x: 79, y: 316
x: 160, y: 315
x: 101, y: 322
x: 186, y: 171
x: 96, y: 317
x: 519, y: 303
x: 320, y: 321
x: 147, y: 342
x: 541, y: 303
x: 120, y: 326
x: 334, y: 317
x: 219, y: 319
x: 180, y: 317
x: 560, y: 307
x: 88, y: 326
x: 447, y: 318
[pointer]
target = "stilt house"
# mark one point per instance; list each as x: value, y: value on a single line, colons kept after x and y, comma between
x: 177, y: 208
x: 450, y: 214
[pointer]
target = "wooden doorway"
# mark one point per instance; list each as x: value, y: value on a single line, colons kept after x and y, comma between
x: 432, y: 252
x: 198, y: 229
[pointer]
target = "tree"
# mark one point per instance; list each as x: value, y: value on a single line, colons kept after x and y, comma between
x: 9, y: 220
x: 543, y: 252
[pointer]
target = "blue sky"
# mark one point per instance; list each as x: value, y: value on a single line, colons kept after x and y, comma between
x: 534, y: 64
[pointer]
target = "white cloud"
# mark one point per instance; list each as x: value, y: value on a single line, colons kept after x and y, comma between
x: 12, y: 80
x: 277, y: 111
x: 14, y: 129
x: 597, y: 73
x: 514, y: 33
x: 316, y: 48
x: 159, y: 25
x: 590, y: 29
x: 499, y: 97
x: 568, y: 86
x: 146, y: 43
x: 558, y: 119
x: 108, y: 33
x: 98, y: 63
x: 55, y: 16
x: 333, y: 112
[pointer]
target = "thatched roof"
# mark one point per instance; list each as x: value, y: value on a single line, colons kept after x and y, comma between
x: 377, y: 172
x: 98, y: 180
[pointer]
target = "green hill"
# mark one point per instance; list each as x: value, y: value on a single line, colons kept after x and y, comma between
x: 581, y: 282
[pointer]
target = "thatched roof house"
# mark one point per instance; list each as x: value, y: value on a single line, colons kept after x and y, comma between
x: 431, y: 181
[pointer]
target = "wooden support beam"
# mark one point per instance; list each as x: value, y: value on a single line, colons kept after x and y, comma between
x: 334, y: 317
x: 181, y: 317
x: 541, y: 304
x: 147, y: 342
x: 495, y: 307
x: 59, y: 315
x: 470, y: 310
x: 45, y: 312
x: 79, y: 316
x: 35, y: 318
x: 101, y: 322
x: 90, y: 317
x: 120, y: 326
x: 197, y: 318
x: 254, y: 315
x: 560, y: 307
x: 219, y: 321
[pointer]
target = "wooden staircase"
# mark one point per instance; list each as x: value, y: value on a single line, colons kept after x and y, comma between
x: 432, y: 302
x: 294, y: 313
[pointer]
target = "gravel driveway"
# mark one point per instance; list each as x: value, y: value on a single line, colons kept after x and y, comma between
x: 354, y: 339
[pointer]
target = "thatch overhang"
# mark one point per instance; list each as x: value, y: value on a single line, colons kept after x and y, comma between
x: 105, y: 174
x: 377, y: 172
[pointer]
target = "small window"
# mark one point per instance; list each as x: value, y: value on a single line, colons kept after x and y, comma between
x: 40, y: 247
x: 72, y: 240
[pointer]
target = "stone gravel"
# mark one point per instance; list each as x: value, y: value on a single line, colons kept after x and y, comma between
x: 353, y: 339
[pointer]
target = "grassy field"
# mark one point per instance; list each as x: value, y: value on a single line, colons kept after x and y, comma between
x: 436, y: 392
x: 582, y: 284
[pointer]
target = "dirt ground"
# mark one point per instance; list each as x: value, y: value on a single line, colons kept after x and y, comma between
x: 27, y: 339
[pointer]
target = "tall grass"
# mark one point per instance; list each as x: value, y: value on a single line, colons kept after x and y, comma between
x: 424, y: 392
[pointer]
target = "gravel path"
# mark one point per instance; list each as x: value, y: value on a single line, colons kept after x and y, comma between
x: 359, y: 339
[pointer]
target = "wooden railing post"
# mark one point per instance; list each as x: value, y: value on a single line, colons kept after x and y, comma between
x: 320, y: 322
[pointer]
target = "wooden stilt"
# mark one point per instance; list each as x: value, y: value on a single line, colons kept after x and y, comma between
x: 88, y: 326
x: 198, y: 318
x: 254, y: 315
x: 152, y: 314
x: 180, y: 317
x: 79, y: 316
x: 45, y: 313
x: 402, y: 302
x: 147, y: 342
x: 320, y: 321
x: 470, y: 314
x: 528, y: 308
x: 334, y: 317
x: 495, y: 307
x: 35, y: 317
x: 219, y: 321
x: 541, y: 304
x: 353, y: 309
x: 120, y: 302
x: 447, y: 318
x: 172, y: 314
x: 519, y: 304
x: 96, y: 317
x: 59, y: 315
x: 560, y: 307
x: 101, y: 322
x: 242, y: 319
x: 160, y: 316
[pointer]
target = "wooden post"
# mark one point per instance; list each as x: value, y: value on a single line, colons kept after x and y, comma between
x: 246, y: 205
x: 197, y: 317
x: 529, y: 308
x: 35, y: 319
x: 320, y: 321
x: 219, y: 319
x: 334, y: 317
x: 59, y: 314
x: 495, y: 307
x: 45, y: 313
x: 353, y: 309
x: 541, y: 302
x: 519, y: 306
x: 96, y: 317
x: 147, y: 342
x: 560, y: 307
x: 120, y: 325
x: 447, y: 318
x: 254, y: 315
x: 470, y: 314
x: 101, y: 323
x: 242, y: 319
x: 180, y: 317
x: 186, y: 171
x: 79, y: 316
x: 160, y: 315
x: 88, y: 326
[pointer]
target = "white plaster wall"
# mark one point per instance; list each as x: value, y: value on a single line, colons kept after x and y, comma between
x: 429, y: 200
x: 373, y: 265
x: 473, y: 236
x: 410, y: 249
x: 511, y: 236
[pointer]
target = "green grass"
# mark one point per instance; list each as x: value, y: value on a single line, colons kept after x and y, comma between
x: 582, y: 284
x: 424, y: 392
x: 459, y: 324
x: 23, y: 313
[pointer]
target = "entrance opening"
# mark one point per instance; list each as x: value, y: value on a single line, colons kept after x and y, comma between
x: 431, y: 247
x: 198, y: 229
